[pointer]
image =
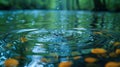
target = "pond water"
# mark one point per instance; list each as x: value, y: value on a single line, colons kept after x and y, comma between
x: 45, y: 38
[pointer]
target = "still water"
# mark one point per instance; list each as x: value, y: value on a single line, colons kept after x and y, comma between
x: 46, y: 38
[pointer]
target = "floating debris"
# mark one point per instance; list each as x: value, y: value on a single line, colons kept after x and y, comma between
x: 116, y: 43
x: 65, y: 64
x: 11, y: 62
x: 23, y: 39
x: 90, y: 59
x: 98, y: 51
x: 76, y: 57
x: 112, y: 64
x: 117, y: 51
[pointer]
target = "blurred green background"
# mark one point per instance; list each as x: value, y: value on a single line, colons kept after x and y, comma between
x: 96, y: 5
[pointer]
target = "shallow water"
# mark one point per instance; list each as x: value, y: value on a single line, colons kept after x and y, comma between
x: 29, y: 35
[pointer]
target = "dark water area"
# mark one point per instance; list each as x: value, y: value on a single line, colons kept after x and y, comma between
x: 39, y: 38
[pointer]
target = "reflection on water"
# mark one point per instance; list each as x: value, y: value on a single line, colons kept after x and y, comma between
x: 46, y: 38
x: 14, y: 20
